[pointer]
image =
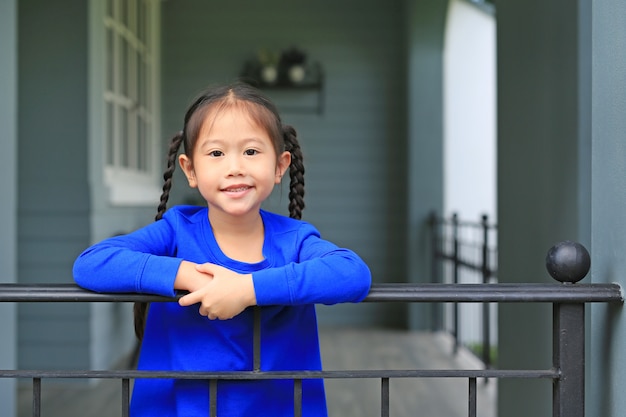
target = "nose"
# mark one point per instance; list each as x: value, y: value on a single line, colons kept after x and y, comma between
x: 235, y: 166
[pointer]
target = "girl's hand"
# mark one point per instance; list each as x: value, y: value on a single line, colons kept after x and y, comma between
x: 225, y: 295
x: 189, y: 278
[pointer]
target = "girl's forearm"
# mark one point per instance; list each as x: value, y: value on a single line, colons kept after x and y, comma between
x: 188, y: 278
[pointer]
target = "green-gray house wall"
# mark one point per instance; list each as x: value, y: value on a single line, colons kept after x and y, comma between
x: 425, y: 28
x: 61, y: 208
x: 53, y: 211
x: 608, y: 237
x: 8, y: 208
x: 544, y: 173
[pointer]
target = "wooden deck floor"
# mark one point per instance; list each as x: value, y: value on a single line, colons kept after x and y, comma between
x: 342, y: 349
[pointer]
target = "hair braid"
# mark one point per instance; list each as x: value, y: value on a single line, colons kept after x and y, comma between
x: 296, y: 173
x: 140, y: 309
x: 168, y: 174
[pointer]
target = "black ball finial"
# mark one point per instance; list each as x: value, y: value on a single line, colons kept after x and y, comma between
x: 568, y: 262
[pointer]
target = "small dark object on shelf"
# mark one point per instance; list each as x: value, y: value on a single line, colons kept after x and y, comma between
x: 291, y: 69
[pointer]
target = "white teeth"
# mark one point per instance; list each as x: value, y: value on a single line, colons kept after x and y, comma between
x: 234, y: 190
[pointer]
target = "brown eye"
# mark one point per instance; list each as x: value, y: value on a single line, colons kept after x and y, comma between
x: 216, y: 153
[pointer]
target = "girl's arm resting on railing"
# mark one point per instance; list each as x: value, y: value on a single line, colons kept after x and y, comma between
x: 303, y: 268
x: 323, y: 274
x: 143, y: 261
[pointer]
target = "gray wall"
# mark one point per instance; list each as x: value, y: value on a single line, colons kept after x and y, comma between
x: 52, y: 166
x: 355, y: 151
x: 425, y: 23
x: 8, y: 208
x: 543, y: 173
x: 608, y: 332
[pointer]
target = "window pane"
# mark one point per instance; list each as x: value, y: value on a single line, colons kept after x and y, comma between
x: 141, y: 145
x: 124, y: 137
x: 128, y: 106
x: 110, y: 60
x: 124, y: 67
x: 109, y: 8
x: 147, y: 28
x: 132, y: 16
x: 140, y: 81
x: 141, y: 21
x: 132, y: 138
x: 147, y: 83
x: 132, y: 75
x: 108, y: 133
x: 123, y: 16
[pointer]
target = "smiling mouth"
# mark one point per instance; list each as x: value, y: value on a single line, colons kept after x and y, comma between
x: 236, y: 189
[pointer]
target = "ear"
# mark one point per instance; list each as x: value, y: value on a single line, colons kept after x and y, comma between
x: 283, y: 162
x: 187, y: 167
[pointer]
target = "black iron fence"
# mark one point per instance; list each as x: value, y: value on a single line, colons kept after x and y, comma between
x: 567, y: 371
x: 465, y: 252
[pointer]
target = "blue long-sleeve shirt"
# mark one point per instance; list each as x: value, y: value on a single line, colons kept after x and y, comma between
x: 299, y: 270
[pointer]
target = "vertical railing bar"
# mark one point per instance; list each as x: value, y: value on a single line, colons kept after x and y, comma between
x: 256, y: 348
x: 36, y: 397
x: 486, y: 306
x: 384, y: 397
x: 297, y: 398
x: 455, y: 236
x: 472, y: 398
x: 213, y: 398
x: 569, y: 359
x: 125, y: 397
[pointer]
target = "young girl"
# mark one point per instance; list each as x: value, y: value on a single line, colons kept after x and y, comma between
x: 229, y: 256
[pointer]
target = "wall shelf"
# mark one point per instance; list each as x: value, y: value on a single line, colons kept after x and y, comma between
x: 303, y: 95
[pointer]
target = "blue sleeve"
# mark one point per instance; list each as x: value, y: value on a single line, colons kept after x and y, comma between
x: 324, y: 273
x: 142, y: 261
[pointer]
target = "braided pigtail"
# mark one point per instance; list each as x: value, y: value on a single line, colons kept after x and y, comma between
x: 140, y: 309
x: 296, y: 173
x: 169, y: 173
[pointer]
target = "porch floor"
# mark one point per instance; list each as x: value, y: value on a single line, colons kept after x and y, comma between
x: 342, y: 349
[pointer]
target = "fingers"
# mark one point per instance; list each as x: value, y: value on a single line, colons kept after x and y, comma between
x: 212, y: 316
x: 205, y: 309
x: 216, y: 317
x: 209, y: 268
x: 191, y: 298
x: 224, y: 296
x: 196, y: 296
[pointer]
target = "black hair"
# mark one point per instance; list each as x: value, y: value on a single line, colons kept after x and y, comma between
x: 265, y: 114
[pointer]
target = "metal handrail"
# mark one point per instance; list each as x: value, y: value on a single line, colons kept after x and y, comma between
x: 390, y: 292
x: 567, y: 372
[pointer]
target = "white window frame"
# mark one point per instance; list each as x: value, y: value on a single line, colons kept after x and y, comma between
x: 124, y: 51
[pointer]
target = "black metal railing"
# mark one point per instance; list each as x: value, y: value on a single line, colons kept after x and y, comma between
x: 465, y: 252
x: 565, y: 264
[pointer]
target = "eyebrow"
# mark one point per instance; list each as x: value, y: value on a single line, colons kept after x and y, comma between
x: 221, y: 142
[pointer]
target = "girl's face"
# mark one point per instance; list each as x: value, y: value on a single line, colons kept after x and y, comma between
x: 234, y: 164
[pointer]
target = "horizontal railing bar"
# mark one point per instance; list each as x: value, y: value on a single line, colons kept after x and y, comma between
x: 251, y: 375
x: 552, y: 293
x: 68, y: 293
x: 501, y: 292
